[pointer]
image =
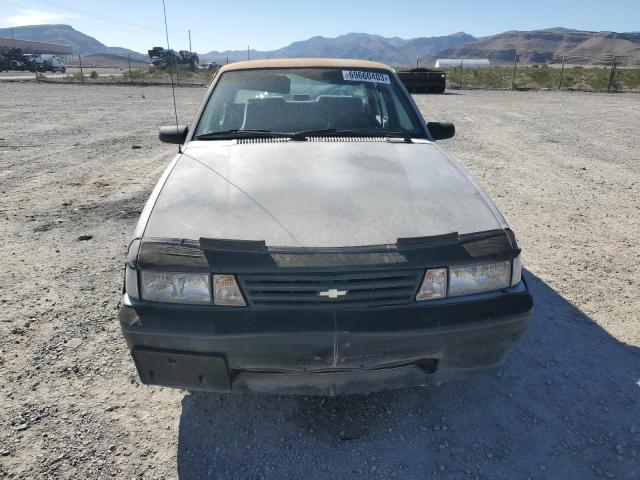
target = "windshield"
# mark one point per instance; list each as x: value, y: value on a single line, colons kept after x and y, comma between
x: 319, y: 100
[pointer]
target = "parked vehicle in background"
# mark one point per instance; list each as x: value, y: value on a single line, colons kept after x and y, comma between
x: 209, y: 66
x: 14, y: 59
x: 43, y: 63
x: 162, y: 58
x: 34, y: 62
x: 17, y: 65
x: 424, y: 80
x: 190, y: 58
x: 53, y: 64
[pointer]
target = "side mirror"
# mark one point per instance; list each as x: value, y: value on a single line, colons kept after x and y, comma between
x: 173, y: 134
x: 441, y: 130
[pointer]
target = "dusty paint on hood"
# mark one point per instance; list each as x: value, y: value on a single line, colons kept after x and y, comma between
x: 318, y: 194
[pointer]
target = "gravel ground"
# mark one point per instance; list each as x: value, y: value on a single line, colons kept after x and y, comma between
x: 564, y: 169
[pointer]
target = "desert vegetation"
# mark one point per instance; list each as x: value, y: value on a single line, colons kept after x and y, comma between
x: 544, y: 77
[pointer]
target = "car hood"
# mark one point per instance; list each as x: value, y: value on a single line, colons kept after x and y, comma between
x: 317, y: 194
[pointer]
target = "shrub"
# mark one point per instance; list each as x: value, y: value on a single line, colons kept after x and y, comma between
x: 136, y: 74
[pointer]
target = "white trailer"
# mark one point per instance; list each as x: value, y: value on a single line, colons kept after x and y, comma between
x: 465, y: 62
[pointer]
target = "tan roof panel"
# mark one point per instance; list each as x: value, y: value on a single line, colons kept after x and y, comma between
x: 305, y: 62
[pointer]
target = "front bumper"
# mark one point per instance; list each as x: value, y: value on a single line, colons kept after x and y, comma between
x: 323, y: 351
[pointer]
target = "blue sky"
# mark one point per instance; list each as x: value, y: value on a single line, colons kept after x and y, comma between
x: 268, y: 25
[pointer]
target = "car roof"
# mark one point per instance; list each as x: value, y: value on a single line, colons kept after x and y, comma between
x: 304, y: 62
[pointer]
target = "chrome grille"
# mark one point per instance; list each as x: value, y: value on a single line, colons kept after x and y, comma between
x: 362, y: 289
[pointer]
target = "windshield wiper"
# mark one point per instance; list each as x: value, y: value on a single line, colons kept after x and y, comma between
x: 302, y: 135
x: 240, y: 133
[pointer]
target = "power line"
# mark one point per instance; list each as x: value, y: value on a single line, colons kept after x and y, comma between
x: 102, y: 21
x: 110, y: 21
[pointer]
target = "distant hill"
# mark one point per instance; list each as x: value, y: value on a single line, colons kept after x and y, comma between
x: 394, y: 50
x: 550, y: 45
x: 67, y: 35
x: 537, y: 46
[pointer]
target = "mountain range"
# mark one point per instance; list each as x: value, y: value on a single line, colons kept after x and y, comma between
x: 67, y: 35
x: 531, y: 47
x: 393, y: 50
x: 550, y: 45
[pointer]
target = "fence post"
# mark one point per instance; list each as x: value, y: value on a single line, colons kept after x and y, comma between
x: 612, y: 73
x: 561, y: 74
x: 460, y: 77
x: 130, y: 76
x: 81, y: 72
x: 515, y: 63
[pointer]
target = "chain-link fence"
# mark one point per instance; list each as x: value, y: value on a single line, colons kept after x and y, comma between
x: 75, y: 69
x: 602, y: 74
x: 182, y: 76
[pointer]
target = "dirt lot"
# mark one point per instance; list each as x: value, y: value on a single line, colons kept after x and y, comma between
x: 565, y: 170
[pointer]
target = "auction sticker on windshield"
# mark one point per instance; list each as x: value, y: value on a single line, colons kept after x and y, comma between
x: 356, y: 76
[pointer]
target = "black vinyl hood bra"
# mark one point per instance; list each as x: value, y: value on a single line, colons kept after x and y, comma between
x: 238, y: 256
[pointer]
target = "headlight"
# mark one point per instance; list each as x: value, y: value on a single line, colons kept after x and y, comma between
x: 484, y: 277
x: 226, y: 291
x: 175, y: 287
x: 434, y: 284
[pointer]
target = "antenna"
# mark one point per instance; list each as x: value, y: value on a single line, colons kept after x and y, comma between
x: 173, y: 88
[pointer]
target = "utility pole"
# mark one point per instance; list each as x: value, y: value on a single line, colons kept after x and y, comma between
x: 561, y: 74
x: 460, y: 77
x: 192, y: 62
x: 417, y: 60
x: 248, y: 52
x: 130, y: 75
x: 81, y: 72
x: 515, y: 63
x: 612, y: 73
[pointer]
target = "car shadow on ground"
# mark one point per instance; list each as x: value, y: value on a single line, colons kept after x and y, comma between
x: 566, y: 404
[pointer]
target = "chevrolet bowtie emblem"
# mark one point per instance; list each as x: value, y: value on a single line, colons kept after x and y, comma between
x: 333, y: 293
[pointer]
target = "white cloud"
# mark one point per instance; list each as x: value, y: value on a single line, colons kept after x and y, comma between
x: 28, y: 16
